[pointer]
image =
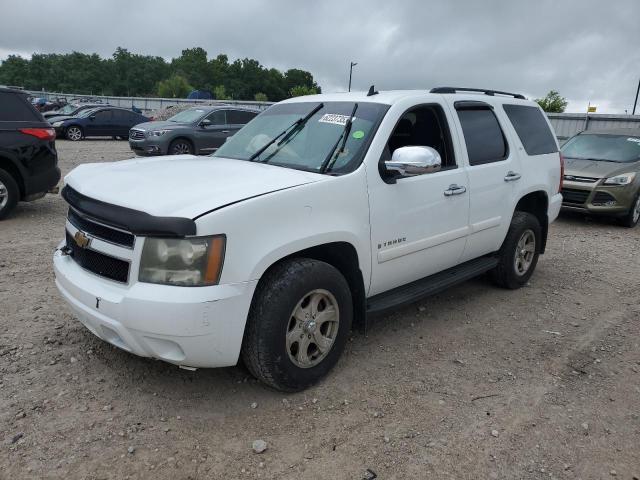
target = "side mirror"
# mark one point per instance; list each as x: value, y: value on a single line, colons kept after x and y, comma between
x: 411, y: 161
x: 205, y: 123
x: 92, y: 117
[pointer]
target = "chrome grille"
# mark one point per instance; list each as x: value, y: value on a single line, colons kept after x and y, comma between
x: 574, y: 178
x: 101, y: 231
x: 136, y: 134
x: 98, y: 263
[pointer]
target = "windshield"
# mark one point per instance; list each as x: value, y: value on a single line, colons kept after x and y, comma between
x: 87, y: 112
x: 309, y: 145
x: 608, y: 148
x: 187, y: 116
x: 67, y: 109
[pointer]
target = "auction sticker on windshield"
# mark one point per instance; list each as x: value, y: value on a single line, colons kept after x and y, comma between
x: 335, y: 119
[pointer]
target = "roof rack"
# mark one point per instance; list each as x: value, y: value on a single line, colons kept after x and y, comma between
x: 479, y: 90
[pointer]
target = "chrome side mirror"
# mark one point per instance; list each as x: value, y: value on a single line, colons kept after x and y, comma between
x: 410, y: 161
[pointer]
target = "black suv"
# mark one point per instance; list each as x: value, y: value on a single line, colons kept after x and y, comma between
x: 28, y: 157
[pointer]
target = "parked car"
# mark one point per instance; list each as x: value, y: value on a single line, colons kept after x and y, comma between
x: 28, y: 157
x: 602, y: 175
x: 68, y: 111
x: 198, y: 130
x: 322, y: 210
x: 99, y: 122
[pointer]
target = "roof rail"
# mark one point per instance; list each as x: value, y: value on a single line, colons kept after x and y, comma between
x: 479, y: 90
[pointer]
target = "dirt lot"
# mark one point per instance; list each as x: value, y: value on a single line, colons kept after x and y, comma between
x: 475, y: 383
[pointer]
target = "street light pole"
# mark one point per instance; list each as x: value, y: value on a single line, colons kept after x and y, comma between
x: 353, y: 64
x: 636, y: 101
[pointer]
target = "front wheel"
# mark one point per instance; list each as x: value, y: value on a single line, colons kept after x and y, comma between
x: 74, y: 133
x: 632, y: 218
x: 519, y: 253
x: 180, y: 147
x: 298, y: 324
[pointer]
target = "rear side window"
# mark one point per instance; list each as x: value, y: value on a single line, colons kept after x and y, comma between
x: 483, y: 136
x: 239, y: 117
x: 14, y: 108
x: 533, y: 130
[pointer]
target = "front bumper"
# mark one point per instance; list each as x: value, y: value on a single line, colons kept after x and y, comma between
x: 145, y: 148
x: 597, y: 199
x: 187, y: 326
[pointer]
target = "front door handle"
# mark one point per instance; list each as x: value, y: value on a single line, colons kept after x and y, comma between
x: 512, y: 176
x: 454, y: 190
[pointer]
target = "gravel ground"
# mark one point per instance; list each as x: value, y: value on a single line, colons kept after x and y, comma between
x: 477, y: 383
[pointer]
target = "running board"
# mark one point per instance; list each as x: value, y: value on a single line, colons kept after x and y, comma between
x: 431, y: 285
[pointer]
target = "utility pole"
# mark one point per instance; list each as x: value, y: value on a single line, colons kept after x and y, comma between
x: 353, y: 64
x: 635, y: 103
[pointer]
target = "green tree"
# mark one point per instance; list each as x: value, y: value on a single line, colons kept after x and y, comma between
x: 301, y: 90
x: 192, y: 64
x: 174, y: 87
x: 553, y: 102
x: 260, y: 97
x: 220, y: 93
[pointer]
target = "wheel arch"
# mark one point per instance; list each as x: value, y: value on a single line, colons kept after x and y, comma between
x: 344, y: 257
x: 185, y: 138
x: 14, y: 170
x: 537, y: 204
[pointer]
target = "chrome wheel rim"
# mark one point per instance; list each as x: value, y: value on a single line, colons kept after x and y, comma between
x: 181, y: 149
x: 74, y: 134
x: 525, y: 251
x: 312, y: 328
x: 636, y: 210
x: 4, y: 195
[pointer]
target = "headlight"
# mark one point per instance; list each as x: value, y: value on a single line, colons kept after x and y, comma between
x: 624, y: 179
x: 156, y: 133
x: 189, y: 262
x: 56, y: 124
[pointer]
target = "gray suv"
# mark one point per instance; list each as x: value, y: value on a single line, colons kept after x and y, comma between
x: 198, y: 130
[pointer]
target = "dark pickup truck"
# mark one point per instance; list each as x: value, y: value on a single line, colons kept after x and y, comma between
x: 28, y: 157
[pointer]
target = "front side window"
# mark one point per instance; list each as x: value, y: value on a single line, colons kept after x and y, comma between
x: 309, y: 145
x: 482, y: 135
x: 532, y: 129
x: 217, y: 118
x: 423, y: 126
x: 607, y: 148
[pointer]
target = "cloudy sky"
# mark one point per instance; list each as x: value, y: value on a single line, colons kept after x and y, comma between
x: 589, y: 50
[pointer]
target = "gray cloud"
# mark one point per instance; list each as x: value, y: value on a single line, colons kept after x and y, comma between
x: 586, y: 49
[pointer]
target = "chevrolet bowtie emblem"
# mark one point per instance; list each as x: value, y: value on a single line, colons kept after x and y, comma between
x: 81, y: 239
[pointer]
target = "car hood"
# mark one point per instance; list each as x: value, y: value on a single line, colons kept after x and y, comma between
x: 160, y: 125
x: 597, y: 168
x: 182, y: 185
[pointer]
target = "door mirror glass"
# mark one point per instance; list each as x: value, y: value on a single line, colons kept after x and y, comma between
x: 410, y: 161
x: 205, y: 123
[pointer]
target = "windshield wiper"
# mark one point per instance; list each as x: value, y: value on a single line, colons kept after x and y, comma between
x: 289, y: 131
x: 331, y: 157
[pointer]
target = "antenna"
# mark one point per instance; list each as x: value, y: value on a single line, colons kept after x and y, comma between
x: 372, y: 91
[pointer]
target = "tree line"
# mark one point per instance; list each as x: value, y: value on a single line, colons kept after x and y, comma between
x: 132, y: 74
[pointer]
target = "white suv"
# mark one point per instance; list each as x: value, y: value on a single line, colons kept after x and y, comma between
x: 322, y: 210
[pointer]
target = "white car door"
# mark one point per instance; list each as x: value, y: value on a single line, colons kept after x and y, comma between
x: 419, y: 224
x: 494, y: 173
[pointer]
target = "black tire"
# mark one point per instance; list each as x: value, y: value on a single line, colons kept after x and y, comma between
x: 9, y: 193
x: 506, y: 274
x: 282, y: 289
x: 632, y: 218
x: 72, y: 133
x: 181, y: 146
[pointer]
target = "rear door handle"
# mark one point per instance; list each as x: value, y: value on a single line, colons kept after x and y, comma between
x: 454, y: 190
x: 512, y: 176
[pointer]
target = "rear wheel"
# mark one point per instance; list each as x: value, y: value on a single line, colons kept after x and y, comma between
x: 298, y: 324
x: 9, y: 193
x: 632, y: 218
x: 181, y: 146
x: 74, y: 133
x: 519, y: 253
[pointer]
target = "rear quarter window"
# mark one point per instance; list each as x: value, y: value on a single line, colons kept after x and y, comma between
x: 239, y: 117
x: 532, y: 129
x: 15, y: 108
